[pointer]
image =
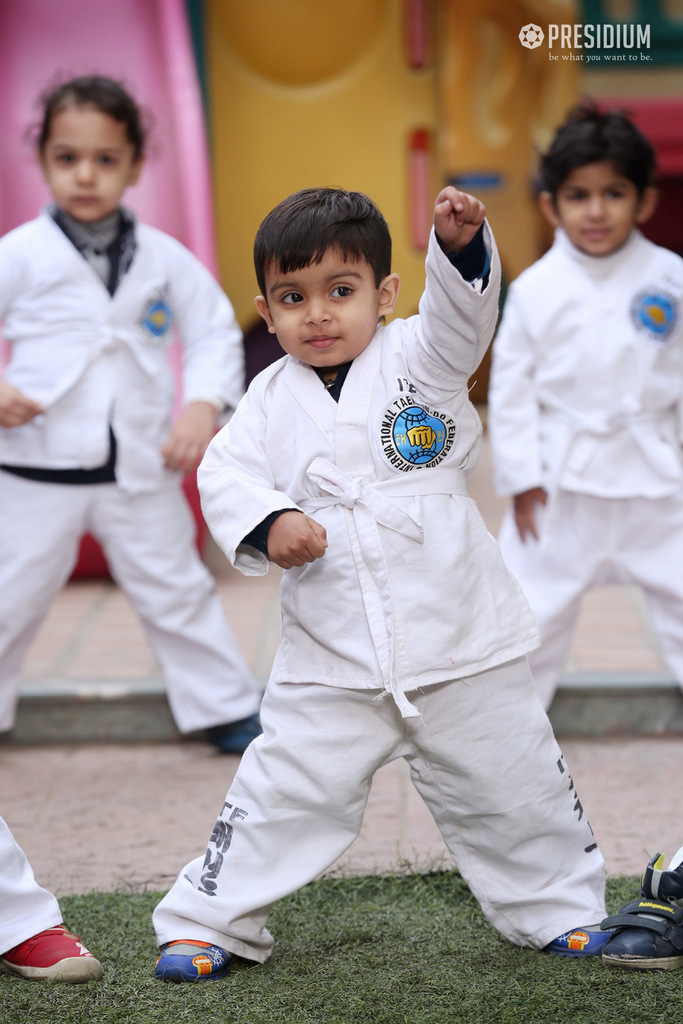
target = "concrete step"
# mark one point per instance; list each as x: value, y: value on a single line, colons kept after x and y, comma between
x: 91, y: 711
x: 617, y: 704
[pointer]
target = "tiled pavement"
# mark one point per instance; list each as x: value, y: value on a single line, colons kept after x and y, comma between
x: 130, y: 816
x: 102, y: 816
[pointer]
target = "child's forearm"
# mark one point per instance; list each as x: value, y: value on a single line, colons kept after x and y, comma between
x: 472, y: 262
x: 457, y: 319
x: 190, y: 437
x: 525, y: 511
x: 514, y: 419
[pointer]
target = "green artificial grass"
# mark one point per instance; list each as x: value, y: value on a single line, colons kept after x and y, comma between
x: 411, y: 949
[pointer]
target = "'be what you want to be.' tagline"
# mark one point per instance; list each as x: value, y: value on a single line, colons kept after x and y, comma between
x: 594, y: 44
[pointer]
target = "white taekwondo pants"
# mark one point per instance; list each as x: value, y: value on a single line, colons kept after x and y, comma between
x: 585, y: 542
x: 149, y: 543
x: 482, y: 756
x: 25, y: 908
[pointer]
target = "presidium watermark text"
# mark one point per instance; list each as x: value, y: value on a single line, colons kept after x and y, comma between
x: 592, y: 40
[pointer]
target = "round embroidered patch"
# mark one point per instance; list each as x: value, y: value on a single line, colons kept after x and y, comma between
x: 655, y: 313
x: 412, y: 435
x: 156, y: 318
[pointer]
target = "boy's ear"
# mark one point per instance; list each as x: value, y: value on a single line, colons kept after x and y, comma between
x: 647, y: 204
x: 136, y: 171
x: 263, y: 311
x: 388, y: 294
x: 547, y: 206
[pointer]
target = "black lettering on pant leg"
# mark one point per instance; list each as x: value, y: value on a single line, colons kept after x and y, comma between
x: 219, y: 844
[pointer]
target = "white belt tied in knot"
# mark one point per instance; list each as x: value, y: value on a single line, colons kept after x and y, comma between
x: 626, y: 413
x: 112, y: 337
x: 367, y: 504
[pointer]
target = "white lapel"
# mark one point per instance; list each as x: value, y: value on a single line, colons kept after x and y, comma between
x: 67, y: 251
x: 352, y: 449
x: 305, y: 385
x: 81, y: 266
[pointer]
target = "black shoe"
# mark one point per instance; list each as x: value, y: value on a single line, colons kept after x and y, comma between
x: 235, y: 737
x: 649, y: 931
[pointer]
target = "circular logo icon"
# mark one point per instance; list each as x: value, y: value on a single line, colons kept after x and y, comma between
x: 531, y: 36
x: 156, y: 319
x: 577, y: 940
x: 203, y: 963
x: 656, y: 314
x: 413, y: 436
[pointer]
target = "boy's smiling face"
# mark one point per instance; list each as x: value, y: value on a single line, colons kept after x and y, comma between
x: 598, y: 207
x: 326, y: 314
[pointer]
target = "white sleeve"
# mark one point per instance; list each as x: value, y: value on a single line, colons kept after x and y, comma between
x: 12, y: 270
x: 213, y: 355
x: 457, y: 319
x: 236, y: 484
x: 513, y: 412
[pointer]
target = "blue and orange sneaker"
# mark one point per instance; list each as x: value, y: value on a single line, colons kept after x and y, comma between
x: 579, y: 942
x: 192, y: 960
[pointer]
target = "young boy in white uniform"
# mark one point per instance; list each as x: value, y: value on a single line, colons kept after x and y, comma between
x: 585, y: 398
x: 403, y: 633
x: 88, y: 297
x: 33, y: 941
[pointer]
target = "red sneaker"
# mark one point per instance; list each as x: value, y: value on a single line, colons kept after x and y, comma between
x: 52, y: 955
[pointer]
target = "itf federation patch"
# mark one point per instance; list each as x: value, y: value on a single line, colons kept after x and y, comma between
x: 414, y: 436
x: 156, y: 319
x: 655, y: 313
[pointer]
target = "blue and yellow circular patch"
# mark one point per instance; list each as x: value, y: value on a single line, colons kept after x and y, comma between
x: 413, y: 436
x: 655, y: 313
x: 156, y: 318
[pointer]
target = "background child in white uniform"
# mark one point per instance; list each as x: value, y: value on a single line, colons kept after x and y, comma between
x: 403, y: 633
x: 88, y: 297
x: 585, y: 398
x: 33, y: 941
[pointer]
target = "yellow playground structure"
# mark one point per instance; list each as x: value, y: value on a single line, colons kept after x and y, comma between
x: 391, y: 97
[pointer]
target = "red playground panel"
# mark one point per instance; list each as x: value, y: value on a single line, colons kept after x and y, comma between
x: 661, y: 121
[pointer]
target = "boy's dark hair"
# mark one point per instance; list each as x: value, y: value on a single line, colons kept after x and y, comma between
x: 589, y: 136
x: 301, y: 229
x: 105, y: 95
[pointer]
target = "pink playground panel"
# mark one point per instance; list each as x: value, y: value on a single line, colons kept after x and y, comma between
x: 146, y: 44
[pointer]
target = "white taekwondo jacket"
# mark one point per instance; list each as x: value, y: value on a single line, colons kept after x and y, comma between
x: 588, y: 374
x: 92, y: 359
x: 412, y: 589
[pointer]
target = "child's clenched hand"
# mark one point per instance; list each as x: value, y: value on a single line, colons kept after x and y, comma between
x: 457, y: 218
x: 16, y: 407
x: 190, y: 437
x: 293, y: 539
x: 525, y: 512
